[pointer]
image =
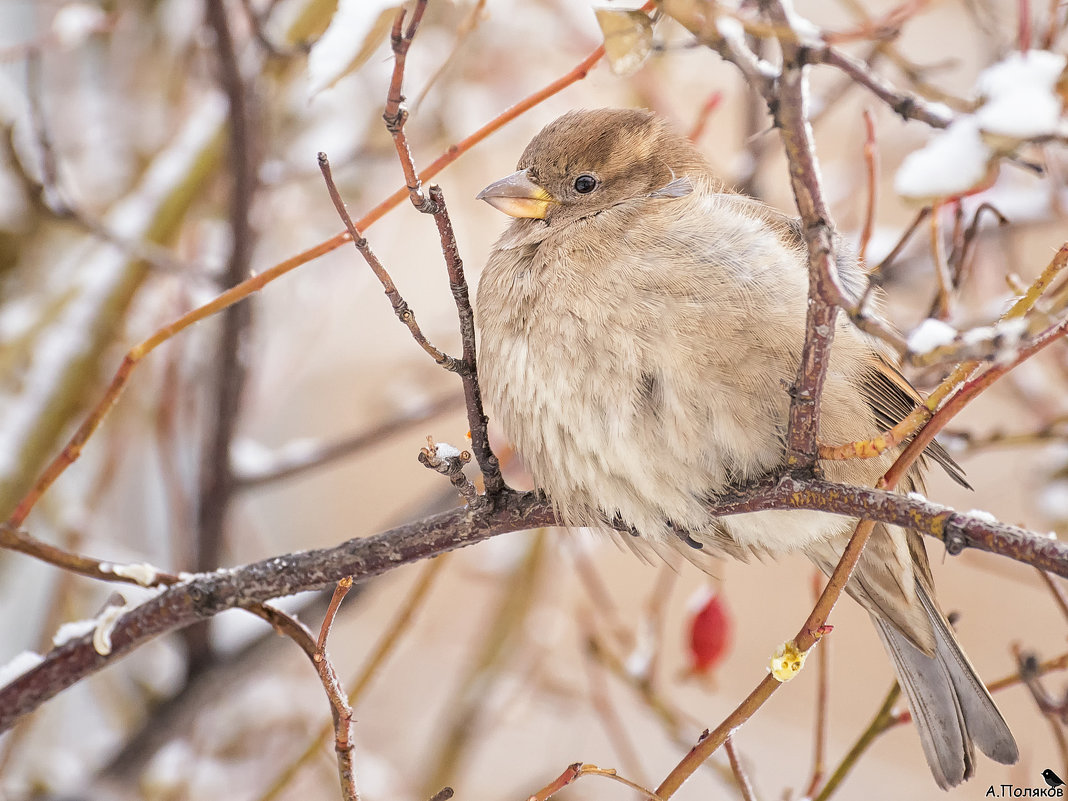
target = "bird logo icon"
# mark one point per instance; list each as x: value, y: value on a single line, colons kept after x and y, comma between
x: 1052, y: 779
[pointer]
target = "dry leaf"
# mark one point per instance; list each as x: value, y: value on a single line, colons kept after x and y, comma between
x: 628, y: 38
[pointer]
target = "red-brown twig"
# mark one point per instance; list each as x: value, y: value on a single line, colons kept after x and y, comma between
x: 883, y: 720
x: 887, y: 26
x: 143, y: 575
x: 942, y: 308
x: 1057, y: 591
x: 921, y: 215
x: 433, y: 203
x: 871, y: 160
x: 704, y: 115
x: 396, y: 114
x: 1054, y: 711
x: 576, y: 771
x: 1053, y: 27
x: 391, y: 636
x: 1023, y: 18
x: 340, y: 710
x: 905, y: 104
x: 822, y: 702
x: 399, y: 304
x: 288, y: 463
x: 745, y: 785
x: 340, y: 591
x: 961, y: 257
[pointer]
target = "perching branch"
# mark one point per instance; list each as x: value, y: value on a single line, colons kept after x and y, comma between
x: 203, y: 596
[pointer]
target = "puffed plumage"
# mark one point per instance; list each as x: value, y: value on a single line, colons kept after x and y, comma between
x: 640, y: 325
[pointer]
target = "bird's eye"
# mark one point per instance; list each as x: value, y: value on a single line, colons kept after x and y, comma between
x: 585, y: 184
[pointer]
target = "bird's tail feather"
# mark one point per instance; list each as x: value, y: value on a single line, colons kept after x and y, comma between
x: 949, y: 703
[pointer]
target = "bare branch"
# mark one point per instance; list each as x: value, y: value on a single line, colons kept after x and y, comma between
x: 399, y: 304
x: 395, y: 115
x: 205, y: 595
x: 450, y: 466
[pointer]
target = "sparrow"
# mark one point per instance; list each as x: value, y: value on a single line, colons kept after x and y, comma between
x: 1052, y: 779
x: 640, y: 325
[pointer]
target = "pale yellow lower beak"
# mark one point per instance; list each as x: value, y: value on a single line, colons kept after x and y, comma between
x: 518, y: 196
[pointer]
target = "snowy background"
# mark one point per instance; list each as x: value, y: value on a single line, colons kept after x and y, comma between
x: 493, y: 688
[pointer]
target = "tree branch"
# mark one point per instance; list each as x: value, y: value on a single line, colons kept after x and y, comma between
x: 203, y: 596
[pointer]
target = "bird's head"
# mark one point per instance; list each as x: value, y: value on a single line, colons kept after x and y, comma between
x: 588, y: 161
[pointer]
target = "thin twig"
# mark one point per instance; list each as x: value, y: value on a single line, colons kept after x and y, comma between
x: 888, y: 26
x: 614, y: 728
x: 745, y: 785
x: 395, y: 113
x: 968, y: 391
x: 396, y: 300
x: 15, y: 540
x: 1053, y: 27
x: 433, y: 203
x: 704, y: 114
x: 391, y: 637
x: 303, y: 459
x: 476, y: 416
x: 1055, y: 712
x: 463, y: 31
x: 906, y: 104
x: 1057, y: 591
x: 871, y: 160
x: 942, y: 308
x: 962, y: 259
x: 258, y: 25
x: 881, y: 722
x: 890, y: 257
x: 340, y: 591
x: 340, y: 710
x: 822, y: 703
x: 573, y: 773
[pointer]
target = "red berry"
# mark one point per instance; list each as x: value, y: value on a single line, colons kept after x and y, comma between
x: 710, y: 633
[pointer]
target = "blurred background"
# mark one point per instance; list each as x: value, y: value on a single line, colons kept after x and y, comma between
x: 536, y: 649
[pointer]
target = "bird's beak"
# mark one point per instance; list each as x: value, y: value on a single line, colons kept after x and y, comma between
x: 518, y: 196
